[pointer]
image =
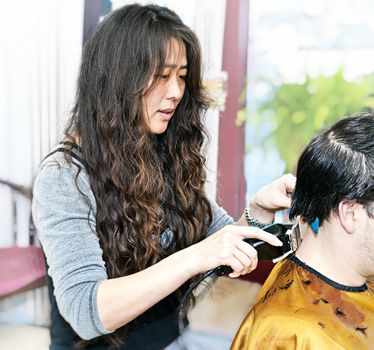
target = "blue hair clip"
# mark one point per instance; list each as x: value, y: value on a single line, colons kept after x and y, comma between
x: 315, y: 225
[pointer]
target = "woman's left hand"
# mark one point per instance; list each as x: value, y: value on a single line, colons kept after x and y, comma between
x: 272, y: 197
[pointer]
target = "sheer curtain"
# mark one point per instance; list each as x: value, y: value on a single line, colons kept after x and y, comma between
x: 40, y: 51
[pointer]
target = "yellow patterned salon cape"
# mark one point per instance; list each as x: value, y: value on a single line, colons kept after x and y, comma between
x: 298, y: 308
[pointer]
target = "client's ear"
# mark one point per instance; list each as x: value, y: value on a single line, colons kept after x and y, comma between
x: 348, y: 215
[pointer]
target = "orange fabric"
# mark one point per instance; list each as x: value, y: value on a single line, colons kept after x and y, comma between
x: 296, y: 309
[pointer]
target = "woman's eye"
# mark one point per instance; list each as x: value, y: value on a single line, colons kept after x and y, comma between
x: 183, y: 77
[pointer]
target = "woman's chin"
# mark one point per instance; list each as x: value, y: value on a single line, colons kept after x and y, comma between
x: 159, y: 128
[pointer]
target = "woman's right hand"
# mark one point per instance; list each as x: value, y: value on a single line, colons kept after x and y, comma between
x: 226, y: 247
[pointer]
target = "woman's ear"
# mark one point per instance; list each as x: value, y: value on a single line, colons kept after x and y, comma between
x: 348, y: 215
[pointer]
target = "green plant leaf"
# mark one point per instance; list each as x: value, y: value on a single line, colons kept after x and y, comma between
x: 296, y: 112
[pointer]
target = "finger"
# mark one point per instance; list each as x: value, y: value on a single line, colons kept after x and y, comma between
x: 283, y: 202
x: 236, y: 265
x: 249, y: 251
x: 246, y: 249
x: 247, y: 256
x: 234, y: 274
x: 244, y: 259
x: 241, y: 273
x: 290, y: 183
x: 291, y: 179
x: 248, y: 232
x: 254, y: 232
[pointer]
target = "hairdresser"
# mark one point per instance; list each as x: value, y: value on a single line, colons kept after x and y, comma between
x: 120, y: 206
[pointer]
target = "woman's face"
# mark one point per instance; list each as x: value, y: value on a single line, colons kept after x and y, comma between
x: 162, y: 100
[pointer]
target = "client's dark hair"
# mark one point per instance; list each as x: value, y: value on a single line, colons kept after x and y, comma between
x: 338, y: 164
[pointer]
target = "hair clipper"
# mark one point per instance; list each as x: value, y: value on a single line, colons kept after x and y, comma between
x: 288, y: 234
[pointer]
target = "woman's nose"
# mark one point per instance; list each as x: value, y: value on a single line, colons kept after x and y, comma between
x: 176, y: 88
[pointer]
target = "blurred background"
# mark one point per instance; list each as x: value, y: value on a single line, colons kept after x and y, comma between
x: 278, y: 71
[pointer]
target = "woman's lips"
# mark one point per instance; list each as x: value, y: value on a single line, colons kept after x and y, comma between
x: 166, y: 113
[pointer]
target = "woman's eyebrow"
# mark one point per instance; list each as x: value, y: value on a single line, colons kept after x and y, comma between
x: 172, y: 65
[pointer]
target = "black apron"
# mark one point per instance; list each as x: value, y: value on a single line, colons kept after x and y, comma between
x: 153, y: 330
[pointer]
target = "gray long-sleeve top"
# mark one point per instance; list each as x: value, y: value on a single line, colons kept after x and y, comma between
x: 71, y: 246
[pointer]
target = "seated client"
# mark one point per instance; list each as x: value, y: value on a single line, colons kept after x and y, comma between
x: 322, y: 297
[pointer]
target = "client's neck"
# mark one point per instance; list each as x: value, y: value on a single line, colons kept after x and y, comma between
x: 331, y: 256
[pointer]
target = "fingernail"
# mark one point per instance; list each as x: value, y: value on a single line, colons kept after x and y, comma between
x: 279, y: 243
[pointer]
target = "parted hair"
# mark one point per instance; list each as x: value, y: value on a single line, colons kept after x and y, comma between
x: 142, y: 183
x: 338, y: 164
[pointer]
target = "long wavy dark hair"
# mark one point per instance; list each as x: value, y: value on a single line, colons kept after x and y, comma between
x: 142, y: 182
